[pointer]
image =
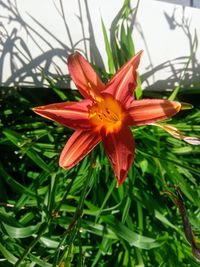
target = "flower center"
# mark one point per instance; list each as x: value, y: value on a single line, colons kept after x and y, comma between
x: 107, y: 113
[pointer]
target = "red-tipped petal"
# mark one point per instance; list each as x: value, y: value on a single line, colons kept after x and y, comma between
x: 120, y: 148
x: 84, y: 76
x: 71, y: 114
x: 146, y: 111
x: 124, y: 82
x: 77, y: 147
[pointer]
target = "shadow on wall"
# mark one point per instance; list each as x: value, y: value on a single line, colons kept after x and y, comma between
x: 185, y: 70
x: 28, y: 70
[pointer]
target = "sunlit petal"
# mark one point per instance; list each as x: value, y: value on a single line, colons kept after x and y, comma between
x: 146, y: 111
x: 71, y: 114
x: 84, y: 76
x: 78, y: 146
x: 120, y: 148
x: 124, y: 82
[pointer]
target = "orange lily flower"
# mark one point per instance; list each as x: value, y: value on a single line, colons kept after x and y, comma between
x: 105, y: 114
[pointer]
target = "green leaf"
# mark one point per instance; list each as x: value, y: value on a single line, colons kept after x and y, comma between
x: 126, y: 209
x: 21, y: 232
x: 26, y: 148
x: 165, y: 221
x: 131, y: 237
x: 55, y: 88
x: 111, y: 65
x: 7, y: 254
x: 15, y: 185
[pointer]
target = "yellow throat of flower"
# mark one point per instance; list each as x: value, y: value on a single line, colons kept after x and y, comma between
x: 107, y: 113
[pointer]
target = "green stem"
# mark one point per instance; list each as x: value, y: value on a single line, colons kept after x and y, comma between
x: 67, y: 190
x: 42, y: 229
x: 140, y: 217
x: 74, y: 225
x: 113, y: 185
x: 80, y: 260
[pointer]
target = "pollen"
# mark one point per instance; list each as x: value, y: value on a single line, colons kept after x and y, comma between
x: 107, y: 114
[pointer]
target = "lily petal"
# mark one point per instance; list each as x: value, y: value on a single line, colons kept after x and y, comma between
x: 77, y: 147
x: 124, y: 82
x: 70, y: 114
x: 84, y: 76
x: 120, y: 148
x: 146, y: 111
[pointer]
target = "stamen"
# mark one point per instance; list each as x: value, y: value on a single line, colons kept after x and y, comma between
x: 106, y: 113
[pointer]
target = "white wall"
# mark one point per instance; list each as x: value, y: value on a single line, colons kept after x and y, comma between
x: 167, y: 33
x: 193, y: 3
x: 40, y: 34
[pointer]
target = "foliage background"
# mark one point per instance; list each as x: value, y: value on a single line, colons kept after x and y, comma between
x: 52, y: 217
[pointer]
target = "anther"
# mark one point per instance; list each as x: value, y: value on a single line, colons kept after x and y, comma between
x: 100, y: 117
x: 104, y: 115
x: 107, y: 110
